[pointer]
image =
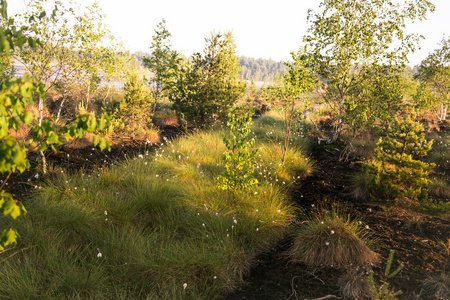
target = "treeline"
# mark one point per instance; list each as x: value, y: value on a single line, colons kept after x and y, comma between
x: 260, y: 69
x: 253, y: 69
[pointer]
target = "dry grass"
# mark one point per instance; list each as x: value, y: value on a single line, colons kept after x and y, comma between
x: 354, y: 284
x: 81, y: 143
x: 445, y: 245
x: 358, y: 184
x: 22, y: 133
x: 166, y: 117
x: 439, y: 188
x: 331, y: 240
x: 437, y: 287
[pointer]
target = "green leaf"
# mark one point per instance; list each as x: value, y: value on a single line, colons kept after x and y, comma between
x: 8, y: 237
x: 42, y: 148
x: 95, y: 140
x: 10, y: 208
x: 27, y: 117
x: 53, y: 138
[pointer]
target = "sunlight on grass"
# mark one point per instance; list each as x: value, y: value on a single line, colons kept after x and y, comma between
x: 154, y: 227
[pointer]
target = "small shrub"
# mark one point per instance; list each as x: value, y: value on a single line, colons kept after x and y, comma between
x: 331, y: 240
x: 166, y: 117
x: 397, y: 170
x: 134, y: 115
x: 239, y: 155
x: 383, y: 292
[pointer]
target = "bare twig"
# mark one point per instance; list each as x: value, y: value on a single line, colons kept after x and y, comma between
x: 21, y: 250
x: 315, y: 125
x: 4, y: 182
x: 327, y: 297
x: 294, y: 292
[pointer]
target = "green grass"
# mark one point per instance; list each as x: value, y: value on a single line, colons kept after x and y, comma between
x: 153, y: 227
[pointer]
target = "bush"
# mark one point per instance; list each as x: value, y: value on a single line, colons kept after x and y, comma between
x: 397, y: 169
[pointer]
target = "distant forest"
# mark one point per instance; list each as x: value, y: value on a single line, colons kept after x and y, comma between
x: 261, y: 69
x: 253, y: 69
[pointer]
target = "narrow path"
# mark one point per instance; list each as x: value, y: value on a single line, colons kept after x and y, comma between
x: 274, y: 277
x: 413, y: 236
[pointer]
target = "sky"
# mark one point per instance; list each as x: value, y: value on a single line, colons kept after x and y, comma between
x: 261, y: 28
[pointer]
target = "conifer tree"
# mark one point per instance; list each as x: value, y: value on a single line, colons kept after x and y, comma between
x: 134, y: 113
x: 209, y: 84
x: 397, y: 170
x: 163, y: 62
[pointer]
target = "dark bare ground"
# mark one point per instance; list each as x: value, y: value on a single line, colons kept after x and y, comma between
x: 412, y: 235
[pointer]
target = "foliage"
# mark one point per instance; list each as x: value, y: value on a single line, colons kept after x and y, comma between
x: 15, y: 97
x: 134, y: 114
x: 383, y: 292
x: 348, y: 38
x: 208, y: 85
x: 239, y: 156
x: 434, y: 76
x: 163, y: 61
x: 396, y: 171
x: 287, y: 98
x: 377, y: 98
x: 72, y: 58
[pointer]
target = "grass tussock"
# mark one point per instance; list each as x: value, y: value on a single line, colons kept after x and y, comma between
x: 269, y: 131
x: 439, y: 188
x: 358, y: 185
x: 331, y: 240
x: 153, y: 227
x: 354, y: 284
x: 440, y: 154
x: 436, y: 287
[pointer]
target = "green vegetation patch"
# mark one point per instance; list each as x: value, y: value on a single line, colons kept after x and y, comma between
x: 153, y: 227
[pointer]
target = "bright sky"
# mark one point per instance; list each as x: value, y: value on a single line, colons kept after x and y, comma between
x: 261, y: 28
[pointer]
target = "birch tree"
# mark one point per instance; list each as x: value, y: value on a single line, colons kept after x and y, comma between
x: 347, y: 38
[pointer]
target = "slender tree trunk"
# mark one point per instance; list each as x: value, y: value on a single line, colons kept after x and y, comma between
x: 443, y: 112
x: 41, y: 116
x: 107, y: 95
x: 157, y: 95
x: 337, y: 126
x: 132, y: 120
x: 88, y: 95
x: 58, y: 115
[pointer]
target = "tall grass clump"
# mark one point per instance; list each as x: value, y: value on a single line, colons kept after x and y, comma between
x: 331, y: 240
x: 153, y: 227
x: 269, y: 131
x: 440, y: 154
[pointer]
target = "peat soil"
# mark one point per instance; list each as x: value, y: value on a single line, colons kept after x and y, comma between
x: 414, y: 237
